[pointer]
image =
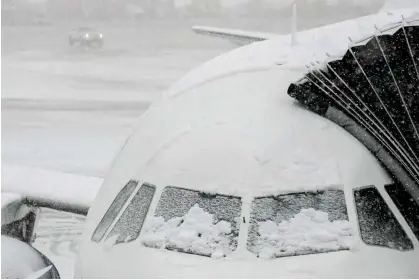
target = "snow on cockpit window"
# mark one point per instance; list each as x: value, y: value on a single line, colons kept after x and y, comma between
x: 129, y: 225
x: 113, y: 210
x: 299, y: 224
x: 377, y: 224
x: 195, y: 222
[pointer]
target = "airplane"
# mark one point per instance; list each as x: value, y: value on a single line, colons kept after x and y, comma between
x: 262, y: 163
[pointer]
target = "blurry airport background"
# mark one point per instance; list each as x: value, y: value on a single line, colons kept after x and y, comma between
x: 17, y: 12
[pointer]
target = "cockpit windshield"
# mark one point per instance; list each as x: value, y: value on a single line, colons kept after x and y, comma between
x: 195, y: 222
x: 299, y: 224
x: 208, y: 224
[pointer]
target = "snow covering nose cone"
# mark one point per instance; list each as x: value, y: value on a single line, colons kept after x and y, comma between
x: 20, y: 261
x: 236, y: 136
x: 372, y: 91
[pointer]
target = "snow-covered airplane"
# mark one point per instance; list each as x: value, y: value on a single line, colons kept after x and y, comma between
x: 266, y: 162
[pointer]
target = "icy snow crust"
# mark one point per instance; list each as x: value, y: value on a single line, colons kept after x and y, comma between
x: 194, y: 233
x: 309, y: 231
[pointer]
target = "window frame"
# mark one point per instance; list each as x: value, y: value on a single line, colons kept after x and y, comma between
x: 122, y: 208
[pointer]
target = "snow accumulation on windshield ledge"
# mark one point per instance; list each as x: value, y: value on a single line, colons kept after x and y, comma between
x: 309, y: 231
x: 194, y: 233
x: 299, y: 224
x: 195, y: 222
x: 286, y: 225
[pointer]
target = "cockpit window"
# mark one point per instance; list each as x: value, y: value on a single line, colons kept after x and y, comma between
x: 377, y: 224
x: 299, y: 224
x: 131, y: 221
x: 114, y: 210
x: 195, y: 222
x: 407, y: 206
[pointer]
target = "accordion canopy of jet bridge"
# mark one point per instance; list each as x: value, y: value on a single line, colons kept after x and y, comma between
x: 372, y: 91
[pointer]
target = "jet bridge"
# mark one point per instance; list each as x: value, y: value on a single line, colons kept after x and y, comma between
x: 372, y: 91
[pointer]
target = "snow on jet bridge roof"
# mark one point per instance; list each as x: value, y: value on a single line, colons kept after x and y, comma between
x: 312, y: 45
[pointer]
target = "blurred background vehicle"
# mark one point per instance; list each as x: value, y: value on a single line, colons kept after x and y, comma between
x: 86, y: 37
